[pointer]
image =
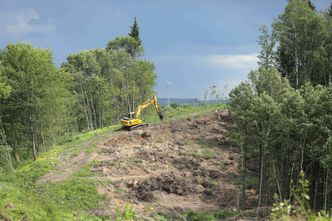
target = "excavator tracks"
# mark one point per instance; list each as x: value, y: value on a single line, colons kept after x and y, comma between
x: 138, y: 126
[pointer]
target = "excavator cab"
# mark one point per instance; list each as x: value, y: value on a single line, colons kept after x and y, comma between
x: 133, y: 120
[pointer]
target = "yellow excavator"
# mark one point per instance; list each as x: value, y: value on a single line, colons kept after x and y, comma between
x: 133, y: 121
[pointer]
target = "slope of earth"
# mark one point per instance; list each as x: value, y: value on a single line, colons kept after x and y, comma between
x: 168, y: 168
x: 184, y: 167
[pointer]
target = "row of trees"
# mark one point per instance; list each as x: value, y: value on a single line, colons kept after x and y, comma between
x: 42, y: 104
x: 286, y: 130
x: 284, y: 110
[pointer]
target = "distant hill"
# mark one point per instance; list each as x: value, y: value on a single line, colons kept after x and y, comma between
x: 164, y: 101
x: 186, y: 101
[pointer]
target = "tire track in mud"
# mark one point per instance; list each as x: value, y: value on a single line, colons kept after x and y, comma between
x: 69, y: 164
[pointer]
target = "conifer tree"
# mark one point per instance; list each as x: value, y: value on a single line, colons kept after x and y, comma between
x: 134, y: 31
x: 329, y: 10
x: 311, y: 5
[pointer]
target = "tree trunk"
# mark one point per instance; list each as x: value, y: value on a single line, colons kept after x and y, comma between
x: 296, y: 70
x: 290, y: 182
x: 9, y: 160
x: 261, y: 173
x: 93, y: 113
x: 316, y: 182
x: 16, y: 154
x: 89, y: 113
x: 101, y: 125
x: 33, y: 137
x: 34, y: 145
x: 277, y: 182
x: 244, y: 171
x: 326, y: 189
x: 85, y: 108
x: 133, y: 97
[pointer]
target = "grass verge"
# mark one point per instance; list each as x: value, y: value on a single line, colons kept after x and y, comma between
x: 21, y: 198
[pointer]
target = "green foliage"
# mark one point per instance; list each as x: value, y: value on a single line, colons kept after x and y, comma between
x: 281, y: 209
x: 127, y: 44
x: 311, y: 5
x: 329, y: 10
x: 76, y: 194
x: 4, y: 88
x: 194, y: 216
x: 213, y: 183
x: 267, y: 42
x: 61, y: 201
x: 300, y: 195
x: 282, y: 126
x: 210, y: 216
x: 108, y: 84
x: 134, y: 32
x: 84, y: 171
x: 303, y: 51
x: 298, y: 207
x: 29, y: 205
x: 127, y: 213
x: 205, y: 153
x: 34, y: 110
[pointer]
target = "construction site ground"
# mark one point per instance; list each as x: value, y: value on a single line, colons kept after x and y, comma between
x: 168, y: 168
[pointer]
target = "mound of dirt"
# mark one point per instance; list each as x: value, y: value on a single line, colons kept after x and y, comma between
x: 167, y: 182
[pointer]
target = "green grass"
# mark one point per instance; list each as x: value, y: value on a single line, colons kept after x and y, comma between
x: 134, y: 162
x: 180, y: 112
x: 197, y: 216
x: 213, y: 183
x: 205, y: 153
x: 84, y: 171
x: 67, y: 200
x: 210, y: 216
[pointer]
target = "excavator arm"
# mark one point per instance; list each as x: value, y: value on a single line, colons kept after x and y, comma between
x: 147, y: 103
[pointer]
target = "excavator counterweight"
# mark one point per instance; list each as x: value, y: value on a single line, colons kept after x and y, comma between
x: 133, y: 121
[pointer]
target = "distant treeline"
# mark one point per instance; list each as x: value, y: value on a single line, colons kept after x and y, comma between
x: 41, y: 105
x: 283, y: 111
x: 189, y: 101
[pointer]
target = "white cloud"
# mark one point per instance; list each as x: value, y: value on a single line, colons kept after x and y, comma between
x: 25, y: 21
x: 229, y: 61
x: 232, y: 61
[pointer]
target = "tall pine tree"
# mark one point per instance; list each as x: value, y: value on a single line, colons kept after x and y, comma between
x: 329, y: 10
x: 134, y: 31
x: 311, y: 5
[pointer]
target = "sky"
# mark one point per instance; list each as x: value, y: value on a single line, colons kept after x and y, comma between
x: 194, y: 44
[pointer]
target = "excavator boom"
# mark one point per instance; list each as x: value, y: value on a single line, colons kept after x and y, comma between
x: 147, y: 103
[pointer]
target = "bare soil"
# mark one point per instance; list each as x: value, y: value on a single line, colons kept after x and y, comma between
x: 168, y: 168
x: 171, y: 168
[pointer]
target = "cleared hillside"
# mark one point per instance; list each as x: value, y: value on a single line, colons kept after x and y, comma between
x: 166, y: 170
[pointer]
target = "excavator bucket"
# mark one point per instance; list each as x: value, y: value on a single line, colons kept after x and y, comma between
x: 161, y: 116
